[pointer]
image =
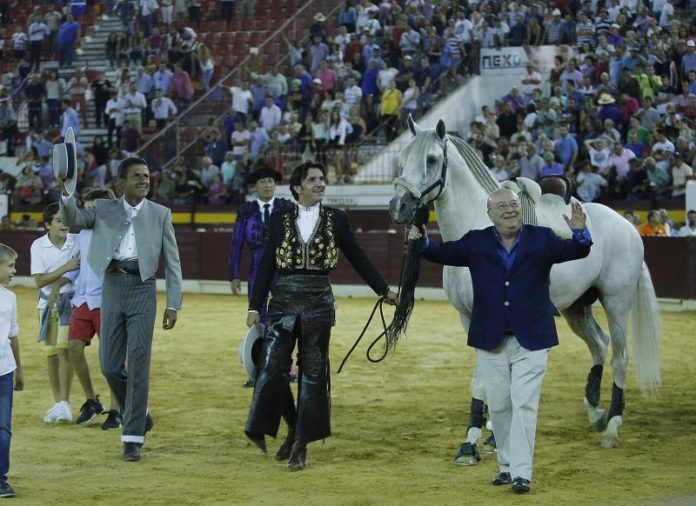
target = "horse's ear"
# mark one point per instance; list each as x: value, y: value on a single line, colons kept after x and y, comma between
x: 412, y: 125
x: 441, y: 129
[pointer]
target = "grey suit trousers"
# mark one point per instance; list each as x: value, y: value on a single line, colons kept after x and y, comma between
x: 129, y: 307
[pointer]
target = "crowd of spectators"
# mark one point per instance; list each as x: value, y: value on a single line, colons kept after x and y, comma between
x: 617, y: 117
x: 156, y: 77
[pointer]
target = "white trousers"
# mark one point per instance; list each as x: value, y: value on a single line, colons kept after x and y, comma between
x: 512, y: 376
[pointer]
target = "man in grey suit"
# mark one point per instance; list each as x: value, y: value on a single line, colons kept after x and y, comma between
x: 129, y: 236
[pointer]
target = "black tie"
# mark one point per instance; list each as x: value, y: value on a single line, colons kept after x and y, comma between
x: 266, y: 213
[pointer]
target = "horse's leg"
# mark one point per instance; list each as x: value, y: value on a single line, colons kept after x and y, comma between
x: 583, y: 324
x: 617, y: 308
x: 468, y: 454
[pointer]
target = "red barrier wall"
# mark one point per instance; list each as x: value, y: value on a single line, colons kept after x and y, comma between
x: 672, y: 261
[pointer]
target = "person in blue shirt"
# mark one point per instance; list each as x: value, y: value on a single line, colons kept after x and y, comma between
x: 369, y: 81
x: 566, y: 148
x: 551, y: 166
x: 67, y: 40
x: 512, y: 323
x: 70, y: 119
x: 259, y: 138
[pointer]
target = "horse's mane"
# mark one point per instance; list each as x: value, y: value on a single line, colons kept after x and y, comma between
x: 478, y: 168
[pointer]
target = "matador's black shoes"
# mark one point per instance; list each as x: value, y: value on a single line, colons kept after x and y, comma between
x: 285, y: 449
x: 298, y: 457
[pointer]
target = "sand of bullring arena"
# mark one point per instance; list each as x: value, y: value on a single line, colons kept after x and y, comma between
x: 396, y: 424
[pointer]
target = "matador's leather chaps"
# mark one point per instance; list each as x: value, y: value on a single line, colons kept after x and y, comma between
x: 302, y: 309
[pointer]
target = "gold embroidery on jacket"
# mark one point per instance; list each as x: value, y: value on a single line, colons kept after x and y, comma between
x: 319, y: 253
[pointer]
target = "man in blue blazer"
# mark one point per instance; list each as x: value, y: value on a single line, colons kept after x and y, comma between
x: 512, y: 324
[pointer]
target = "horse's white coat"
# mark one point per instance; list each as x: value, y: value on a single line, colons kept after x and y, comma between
x: 615, y: 266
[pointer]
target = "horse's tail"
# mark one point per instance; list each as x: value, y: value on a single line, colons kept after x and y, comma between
x: 645, y: 318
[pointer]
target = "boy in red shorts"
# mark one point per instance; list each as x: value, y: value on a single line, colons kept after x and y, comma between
x: 85, y: 322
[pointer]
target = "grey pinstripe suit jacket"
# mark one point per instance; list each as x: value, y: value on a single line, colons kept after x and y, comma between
x: 154, y: 237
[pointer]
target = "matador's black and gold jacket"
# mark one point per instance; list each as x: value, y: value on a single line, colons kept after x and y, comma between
x: 286, y: 253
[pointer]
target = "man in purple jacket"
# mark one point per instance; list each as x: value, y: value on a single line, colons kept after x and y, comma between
x: 251, y: 228
x: 512, y: 324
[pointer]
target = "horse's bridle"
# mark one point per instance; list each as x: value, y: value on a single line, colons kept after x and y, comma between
x: 440, y: 183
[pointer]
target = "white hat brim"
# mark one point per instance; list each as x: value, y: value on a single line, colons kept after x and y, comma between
x: 246, y: 347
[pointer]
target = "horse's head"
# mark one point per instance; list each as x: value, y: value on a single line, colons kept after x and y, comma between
x: 423, y: 172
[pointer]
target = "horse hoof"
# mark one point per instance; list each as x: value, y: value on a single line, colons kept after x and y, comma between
x: 468, y: 455
x: 610, y: 438
x: 600, y: 423
x: 489, y: 446
x: 596, y: 416
x: 610, y: 442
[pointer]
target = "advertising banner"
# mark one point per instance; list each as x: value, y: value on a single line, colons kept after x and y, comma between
x: 513, y: 60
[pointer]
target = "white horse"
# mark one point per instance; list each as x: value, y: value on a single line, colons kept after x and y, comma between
x: 444, y: 169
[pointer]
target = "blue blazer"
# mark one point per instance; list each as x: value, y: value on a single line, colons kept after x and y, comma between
x: 520, y: 297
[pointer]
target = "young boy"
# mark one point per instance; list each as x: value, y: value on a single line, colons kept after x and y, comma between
x: 52, y: 255
x: 85, y: 322
x: 10, y: 364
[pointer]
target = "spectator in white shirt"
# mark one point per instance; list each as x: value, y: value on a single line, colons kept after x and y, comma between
x: 589, y: 183
x: 353, y: 93
x: 147, y: 11
x: 463, y: 28
x: 680, y: 173
x: 163, y: 78
x: 114, y: 111
x: 343, y: 38
x: 18, y: 43
x: 338, y: 129
x: 270, y: 115
x: 163, y: 109
x: 242, y: 99
x: 599, y: 153
x: 662, y: 150
x: 134, y: 105
x: 38, y: 31
x: 666, y: 14
x: 208, y: 171
x: 530, y: 81
x: 239, y: 140
x: 689, y: 228
x: 620, y: 159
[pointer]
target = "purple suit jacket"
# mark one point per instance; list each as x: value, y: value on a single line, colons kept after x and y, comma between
x: 250, y: 229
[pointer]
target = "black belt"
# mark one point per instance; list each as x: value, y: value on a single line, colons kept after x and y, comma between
x: 123, y: 267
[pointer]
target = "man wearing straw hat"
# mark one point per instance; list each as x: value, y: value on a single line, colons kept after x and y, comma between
x: 130, y: 235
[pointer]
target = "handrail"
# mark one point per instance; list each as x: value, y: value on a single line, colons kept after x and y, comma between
x: 16, y: 92
x: 236, y: 69
x: 371, y: 136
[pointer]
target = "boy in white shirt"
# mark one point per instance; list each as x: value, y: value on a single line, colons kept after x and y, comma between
x: 53, y: 255
x: 11, y: 376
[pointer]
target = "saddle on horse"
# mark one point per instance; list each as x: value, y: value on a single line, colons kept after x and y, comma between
x: 546, y: 202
